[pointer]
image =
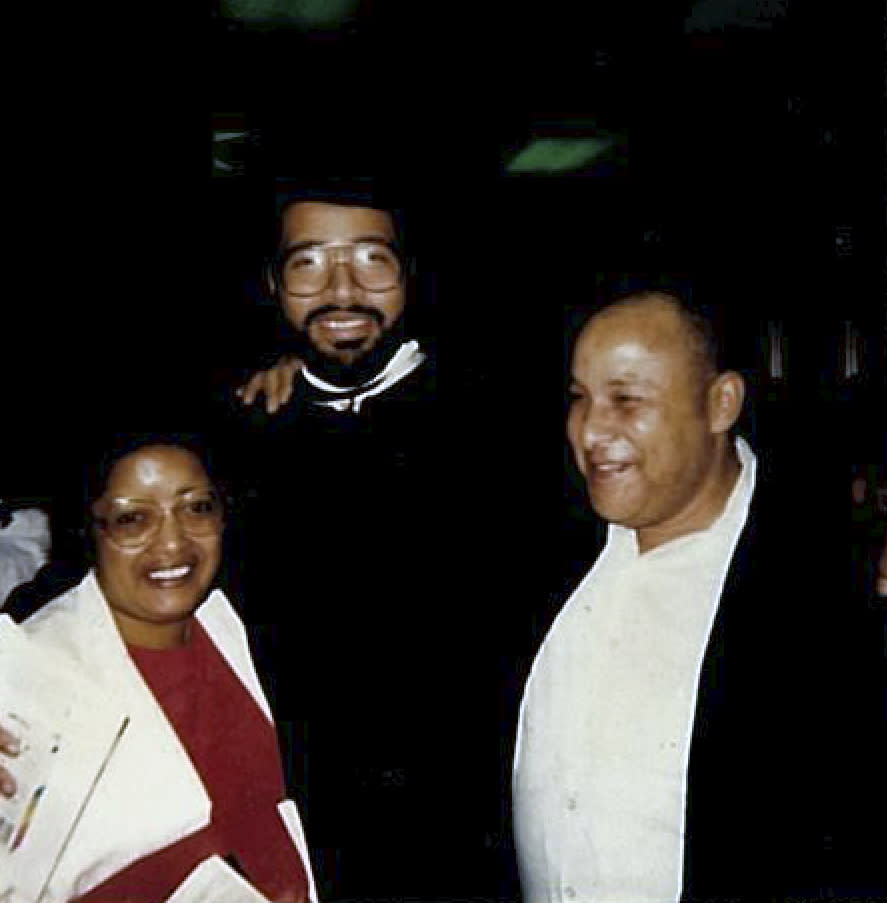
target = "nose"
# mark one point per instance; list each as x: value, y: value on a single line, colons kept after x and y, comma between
x: 593, y: 423
x: 170, y: 534
x: 342, y: 282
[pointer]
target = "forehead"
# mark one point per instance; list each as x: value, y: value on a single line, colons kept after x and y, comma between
x: 155, y: 469
x: 647, y: 339
x: 316, y: 221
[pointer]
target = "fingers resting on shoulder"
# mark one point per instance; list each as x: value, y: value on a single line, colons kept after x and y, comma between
x: 276, y: 384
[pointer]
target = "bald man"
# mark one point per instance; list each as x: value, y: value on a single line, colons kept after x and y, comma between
x: 661, y: 753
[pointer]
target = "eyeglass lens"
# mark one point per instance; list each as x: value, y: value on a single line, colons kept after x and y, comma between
x: 131, y: 522
x: 373, y: 265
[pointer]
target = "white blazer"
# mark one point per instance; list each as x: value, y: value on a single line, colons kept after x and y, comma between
x: 150, y: 794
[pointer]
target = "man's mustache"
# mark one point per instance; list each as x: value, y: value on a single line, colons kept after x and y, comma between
x: 351, y: 309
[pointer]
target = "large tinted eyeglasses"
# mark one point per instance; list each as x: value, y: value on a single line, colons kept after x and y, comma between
x: 374, y: 265
x: 129, y: 522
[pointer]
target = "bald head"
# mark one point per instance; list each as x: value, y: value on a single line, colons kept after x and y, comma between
x: 687, y: 329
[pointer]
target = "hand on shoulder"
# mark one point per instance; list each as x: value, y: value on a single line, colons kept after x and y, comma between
x: 276, y: 384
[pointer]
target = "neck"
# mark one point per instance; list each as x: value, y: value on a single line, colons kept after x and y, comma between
x: 152, y: 636
x: 707, y: 506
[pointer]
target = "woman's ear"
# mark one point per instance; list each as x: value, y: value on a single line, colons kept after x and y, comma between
x: 725, y: 397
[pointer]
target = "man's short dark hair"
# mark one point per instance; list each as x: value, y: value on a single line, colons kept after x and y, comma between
x: 349, y: 191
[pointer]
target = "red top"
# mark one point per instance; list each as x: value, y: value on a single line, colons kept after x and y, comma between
x: 234, y: 749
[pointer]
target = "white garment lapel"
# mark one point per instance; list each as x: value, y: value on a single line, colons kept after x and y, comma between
x: 226, y: 631
x: 165, y: 797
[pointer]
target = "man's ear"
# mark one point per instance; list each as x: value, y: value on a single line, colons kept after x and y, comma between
x: 269, y: 279
x: 725, y: 397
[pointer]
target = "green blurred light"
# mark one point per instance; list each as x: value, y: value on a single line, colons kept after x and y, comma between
x: 309, y: 13
x: 550, y: 155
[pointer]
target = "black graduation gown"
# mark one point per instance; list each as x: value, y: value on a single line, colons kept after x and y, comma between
x: 362, y: 543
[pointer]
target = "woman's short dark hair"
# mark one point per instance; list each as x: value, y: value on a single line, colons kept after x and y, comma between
x: 107, y: 453
x: 119, y: 445
x: 82, y: 480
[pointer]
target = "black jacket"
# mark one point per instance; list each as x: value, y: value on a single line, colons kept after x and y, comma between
x: 783, y: 780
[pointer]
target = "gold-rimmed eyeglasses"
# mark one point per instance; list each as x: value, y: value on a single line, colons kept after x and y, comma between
x: 132, y: 522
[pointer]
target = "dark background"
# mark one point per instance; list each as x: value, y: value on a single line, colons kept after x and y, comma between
x: 754, y: 159
x: 755, y: 155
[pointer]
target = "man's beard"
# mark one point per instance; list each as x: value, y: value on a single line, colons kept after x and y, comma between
x: 332, y: 370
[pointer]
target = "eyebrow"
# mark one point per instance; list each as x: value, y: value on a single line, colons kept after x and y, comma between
x: 630, y: 380
x: 205, y: 487
x: 316, y: 243
x: 186, y: 490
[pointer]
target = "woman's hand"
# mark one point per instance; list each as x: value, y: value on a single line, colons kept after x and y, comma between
x: 275, y: 384
x: 9, y: 746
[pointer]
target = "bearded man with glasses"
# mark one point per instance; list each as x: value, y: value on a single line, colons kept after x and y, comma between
x: 338, y: 276
x: 355, y: 479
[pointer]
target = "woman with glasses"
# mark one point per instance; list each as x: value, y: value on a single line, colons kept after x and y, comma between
x: 197, y: 771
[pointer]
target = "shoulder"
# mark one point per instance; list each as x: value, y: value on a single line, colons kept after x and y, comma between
x: 421, y: 383
x: 412, y: 399
x: 762, y: 538
x: 62, y: 609
x: 228, y: 412
x: 76, y: 625
x: 219, y: 618
x: 228, y: 634
x: 52, y: 580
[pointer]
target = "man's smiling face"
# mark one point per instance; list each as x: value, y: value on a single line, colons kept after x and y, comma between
x: 641, y: 426
x: 333, y: 257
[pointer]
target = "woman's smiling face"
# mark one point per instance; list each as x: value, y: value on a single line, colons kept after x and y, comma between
x: 153, y: 588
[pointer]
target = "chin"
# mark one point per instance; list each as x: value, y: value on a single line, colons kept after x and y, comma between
x: 349, y: 356
x: 612, y: 514
x: 178, y: 601
x: 172, y: 609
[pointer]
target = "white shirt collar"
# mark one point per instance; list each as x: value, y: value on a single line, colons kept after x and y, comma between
x: 728, y: 522
x: 406, y: 359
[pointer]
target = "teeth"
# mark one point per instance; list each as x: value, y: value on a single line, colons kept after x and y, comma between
x: 607, y: 468
x: 171, y: 573
x: 345, y: 324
